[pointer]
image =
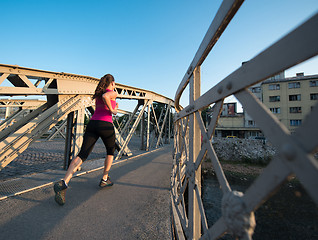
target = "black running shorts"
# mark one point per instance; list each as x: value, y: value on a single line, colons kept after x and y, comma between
x: 94, y: 130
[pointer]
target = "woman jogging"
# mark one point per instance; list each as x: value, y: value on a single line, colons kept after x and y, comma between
x: 100, y: 125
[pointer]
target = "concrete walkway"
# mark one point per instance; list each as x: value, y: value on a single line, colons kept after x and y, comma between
x: 136, y: 207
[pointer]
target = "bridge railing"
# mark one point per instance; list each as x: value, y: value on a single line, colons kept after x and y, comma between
x: 295, y: 152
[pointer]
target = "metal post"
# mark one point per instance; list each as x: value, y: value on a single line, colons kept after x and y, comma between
x: 169, y: 124
x: 8, y: 112
x: 142, y: 131
x: 194, y: 149
x: 68, y: 140
x: 148, y: 127
x: 79, y: 131
x: 165, y: 126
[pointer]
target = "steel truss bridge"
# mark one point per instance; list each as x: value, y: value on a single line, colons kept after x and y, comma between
x: 296, y: 152
x: 68, y: 101
x: 68, y: 95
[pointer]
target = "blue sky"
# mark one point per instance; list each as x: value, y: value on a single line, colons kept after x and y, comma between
x: 145, y: 44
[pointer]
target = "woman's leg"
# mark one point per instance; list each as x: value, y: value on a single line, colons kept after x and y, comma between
x: 75, y: 164
x: 108, y: 163
x: 89, y: 141
x: 107, y: 134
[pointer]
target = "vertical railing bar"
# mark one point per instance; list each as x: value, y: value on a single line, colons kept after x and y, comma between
x: 194, y: 149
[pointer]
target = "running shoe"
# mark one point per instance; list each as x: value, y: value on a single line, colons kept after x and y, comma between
x: 60, y: 189
x: 106, y: 183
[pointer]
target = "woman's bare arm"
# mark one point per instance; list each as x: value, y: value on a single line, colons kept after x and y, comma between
x: 107, y: 97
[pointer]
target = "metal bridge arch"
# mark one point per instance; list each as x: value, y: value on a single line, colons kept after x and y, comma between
x: 295, y: 151
x: 68, y: 101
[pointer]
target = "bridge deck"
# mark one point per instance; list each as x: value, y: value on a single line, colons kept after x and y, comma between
x: 136, y: 207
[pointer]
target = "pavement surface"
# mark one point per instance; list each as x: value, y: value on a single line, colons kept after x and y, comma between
x: 44, y: 155
x: 136, y: 207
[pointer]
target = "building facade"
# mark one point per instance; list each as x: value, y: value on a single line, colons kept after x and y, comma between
x: 232, y: 123
x: 290, y: 99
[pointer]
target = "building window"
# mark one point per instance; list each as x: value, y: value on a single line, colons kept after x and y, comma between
x: 250, y: 123
x: 313, y: 83
x: 294, y: 85
x: 276, y: 77
x: 275, y: 110
x: 296, y: 97
x: 314, y: 96
x: 274, y: 87
x: 295, y: 122
x: 295, y: 109
x: 274, y: 98
x: 256, y: 90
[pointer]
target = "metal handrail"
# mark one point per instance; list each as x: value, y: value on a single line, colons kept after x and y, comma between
x: 295, y: 156
x: 223, y: 17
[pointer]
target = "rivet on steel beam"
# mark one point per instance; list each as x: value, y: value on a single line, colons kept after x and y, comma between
x: 229, y: 85
x: 220, y: 90
x: 190, y: 70
x: 288, y: 151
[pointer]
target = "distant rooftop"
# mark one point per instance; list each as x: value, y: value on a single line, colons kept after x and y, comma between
x: 298, y: 77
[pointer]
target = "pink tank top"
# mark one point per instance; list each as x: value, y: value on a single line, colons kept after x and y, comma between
x: 102, y: 112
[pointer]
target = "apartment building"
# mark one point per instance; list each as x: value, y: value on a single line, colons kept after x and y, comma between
x: 291, y: 99
x: 231, y: 123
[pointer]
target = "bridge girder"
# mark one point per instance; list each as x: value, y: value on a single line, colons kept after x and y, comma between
x: 60, y: 89
x: 56, y: 83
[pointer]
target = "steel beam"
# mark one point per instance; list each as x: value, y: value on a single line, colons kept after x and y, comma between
x: 20, y: 135
x: 194, y: 149
x: 131, y: 131
x: 58, y: 130
x: 63, y: 84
